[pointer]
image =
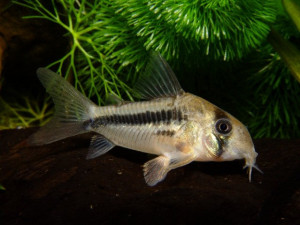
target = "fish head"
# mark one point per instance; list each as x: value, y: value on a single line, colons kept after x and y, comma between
x: 228, y: 139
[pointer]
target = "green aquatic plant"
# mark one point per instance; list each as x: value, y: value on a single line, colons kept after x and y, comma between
x: 86, y: 60
x: 110, y: 41
x: 218, y: 29
x: 108, y: 36
x: 292, y: 7
x: 24, y: 112
x: 275, y: 102
x: 288, y: 51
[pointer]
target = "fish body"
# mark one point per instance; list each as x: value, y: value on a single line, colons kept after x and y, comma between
x: 177, y: 126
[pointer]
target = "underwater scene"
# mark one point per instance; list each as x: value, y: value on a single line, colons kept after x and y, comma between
x: 149, y: 112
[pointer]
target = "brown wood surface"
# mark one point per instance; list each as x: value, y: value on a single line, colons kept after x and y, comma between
x: 55, y: 184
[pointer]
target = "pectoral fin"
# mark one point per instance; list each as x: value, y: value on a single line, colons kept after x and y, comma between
x: 156, y: 170
x: 99, y: 146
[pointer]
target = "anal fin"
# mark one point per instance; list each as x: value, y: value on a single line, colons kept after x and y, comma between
x: 99, y: 146
x: 156, y: 170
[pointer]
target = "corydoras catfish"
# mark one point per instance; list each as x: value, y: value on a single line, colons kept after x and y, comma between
x: 177, y: 126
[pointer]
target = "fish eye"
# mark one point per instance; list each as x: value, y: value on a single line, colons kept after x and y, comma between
x: 223, y: 126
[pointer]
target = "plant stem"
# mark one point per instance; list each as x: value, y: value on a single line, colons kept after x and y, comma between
x: 293, y: 9
x: 287, y: 51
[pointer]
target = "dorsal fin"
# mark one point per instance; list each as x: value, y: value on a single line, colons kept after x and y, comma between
x: 158, y: 80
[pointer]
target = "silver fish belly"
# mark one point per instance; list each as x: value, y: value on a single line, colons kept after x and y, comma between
x: 177, y: 126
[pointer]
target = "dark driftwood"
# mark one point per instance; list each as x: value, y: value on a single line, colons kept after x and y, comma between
x: 54, y: 184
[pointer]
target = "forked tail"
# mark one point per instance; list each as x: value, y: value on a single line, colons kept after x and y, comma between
x: 71, y: 110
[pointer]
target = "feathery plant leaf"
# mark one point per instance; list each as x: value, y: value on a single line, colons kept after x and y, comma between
x: 86, y: 60
x: 107, y: 36
x: 275, y: 95
x: 24, y: 112
x: 220, y: 29
x: 277, y: 109
x: 109, y: 43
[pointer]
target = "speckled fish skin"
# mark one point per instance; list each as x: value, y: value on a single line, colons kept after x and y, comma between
x: 175, y: 125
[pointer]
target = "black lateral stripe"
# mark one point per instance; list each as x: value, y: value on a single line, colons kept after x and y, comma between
x: 135, y: 118
x: 144, y: 118
x: 158, y: 116
x: 124, y: 119
x: 131, y: 120
x: 115, y: 119
x: 121, y: 119
x: 163, y: 115
x: 140, y: 118
x: 148, y: 115
x: 153, y: 116
x: 169, y: 115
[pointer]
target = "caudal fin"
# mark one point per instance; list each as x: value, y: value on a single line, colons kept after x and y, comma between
x: 71, y: 110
